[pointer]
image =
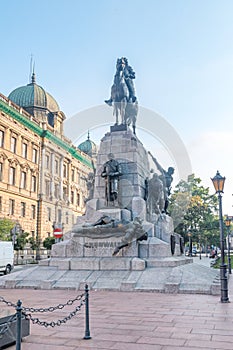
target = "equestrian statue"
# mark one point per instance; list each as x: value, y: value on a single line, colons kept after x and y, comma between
x: 123, y: 97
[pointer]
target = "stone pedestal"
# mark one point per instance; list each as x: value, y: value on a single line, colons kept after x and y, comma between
x: 133, y: 158
x: 164, y: 228
x: 96, y: 247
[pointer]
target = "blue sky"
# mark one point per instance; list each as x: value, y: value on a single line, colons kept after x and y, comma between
x: 181, y: 51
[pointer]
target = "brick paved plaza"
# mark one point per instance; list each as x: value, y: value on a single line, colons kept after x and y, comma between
x: 131, y: 321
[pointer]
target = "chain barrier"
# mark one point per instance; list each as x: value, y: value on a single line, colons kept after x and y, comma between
x: 52, y: 324
x: 42, y: 310
x: 26, y: 312
x: 8, y: 303
x: 53, y: 308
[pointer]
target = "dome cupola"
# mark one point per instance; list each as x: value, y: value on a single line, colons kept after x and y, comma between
x: 34, y: 99
x: 88, y: 147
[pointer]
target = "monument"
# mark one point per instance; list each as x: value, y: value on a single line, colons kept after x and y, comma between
x: 125, y: 241
x: 126, y: 225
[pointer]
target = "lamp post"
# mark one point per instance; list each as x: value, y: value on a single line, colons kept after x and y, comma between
x: 228, y: 224
x: 190, y: 244
x: 218, y: 182
x: 200, y: 248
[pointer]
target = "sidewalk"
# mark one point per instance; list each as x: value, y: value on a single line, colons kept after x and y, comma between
x: 205, y: 260
x: 130, y: 321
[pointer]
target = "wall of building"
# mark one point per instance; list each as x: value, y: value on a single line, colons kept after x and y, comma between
x: 42, y: 174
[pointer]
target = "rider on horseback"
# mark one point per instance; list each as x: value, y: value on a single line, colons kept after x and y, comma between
x: 128, y: 74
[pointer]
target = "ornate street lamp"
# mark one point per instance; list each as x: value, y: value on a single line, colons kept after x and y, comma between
x: 200, y: 248
x: 190, y: 244
x: 218, y: 182
x: 228, y: 224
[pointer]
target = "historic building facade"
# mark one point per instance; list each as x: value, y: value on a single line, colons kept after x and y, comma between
x: 42, y: 174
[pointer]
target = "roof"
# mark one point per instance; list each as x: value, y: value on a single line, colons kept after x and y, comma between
x: 88, y: 147
x: 33, y: 95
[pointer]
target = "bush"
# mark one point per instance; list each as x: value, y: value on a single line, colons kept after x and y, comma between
x: 48, y: 242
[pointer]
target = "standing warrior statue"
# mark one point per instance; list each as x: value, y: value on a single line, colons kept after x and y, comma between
x: 166, y: 177
x: 111, y: 173
x: 123, y: 96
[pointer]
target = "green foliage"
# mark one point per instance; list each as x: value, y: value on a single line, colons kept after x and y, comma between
x: 34, y: 243
x: 48, y: 242
x: 6, y: 226
x: 194, y: 211
x: 21, y: 240
x: 217, y: 262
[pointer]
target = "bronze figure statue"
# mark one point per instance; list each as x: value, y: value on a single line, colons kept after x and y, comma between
x: 111, y: 173
x: 123, y: 98
x: 155, y: 199
x: 166, y: 177
x: 134, y: 232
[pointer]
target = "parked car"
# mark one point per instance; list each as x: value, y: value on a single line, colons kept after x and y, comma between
x: 194, y: 251
x: 6, y: 257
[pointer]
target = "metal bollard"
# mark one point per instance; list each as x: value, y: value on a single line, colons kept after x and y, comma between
x: 87, y: 329
x: 18, y: 324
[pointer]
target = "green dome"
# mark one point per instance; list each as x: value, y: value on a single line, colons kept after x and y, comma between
x: 33, y: 95
x: 88, y: 147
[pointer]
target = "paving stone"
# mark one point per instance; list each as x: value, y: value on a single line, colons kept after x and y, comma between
x: 129, y: 320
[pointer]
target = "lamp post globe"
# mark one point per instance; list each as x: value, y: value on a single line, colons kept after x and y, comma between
x: 218, y: 182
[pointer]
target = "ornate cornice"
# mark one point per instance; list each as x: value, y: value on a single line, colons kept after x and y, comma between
x: 3, y: 156
x: 43, y: 133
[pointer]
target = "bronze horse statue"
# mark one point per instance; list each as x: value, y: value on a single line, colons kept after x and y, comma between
x: 120, y: 96
x: 123, y: 97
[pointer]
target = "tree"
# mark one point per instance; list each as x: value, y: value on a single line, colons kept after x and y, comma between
x: 34, y: 243
x: 21, y: 241
x: 194, y: 211
x: 6, y: 225
x: 48, y: 242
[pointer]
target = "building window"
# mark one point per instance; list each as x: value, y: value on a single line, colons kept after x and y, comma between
x: 56, y: 166
x: 11, y: 206
x: 0, y: 204
x: 72, y: 197
x: 64, y: 170
x: 1, y: 138
x: 59, y: 216
x: 24, y: 150
x: 33, y: 186
x: 64, y: 193
x: 23, y: 209
x: 13, y: 144
x: 47, y: 161
x: 33, y: 211
x: 12, y: 176
x: 67, y: 218
x: 56, y: 191
x: 1, y: 171
x: 78, y: 199
x: 72, y: 174
x: 34, y: 155
x: 23, y: 179
x: 49, y: 214
x: 47, y: 188
x: 78, y: 178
